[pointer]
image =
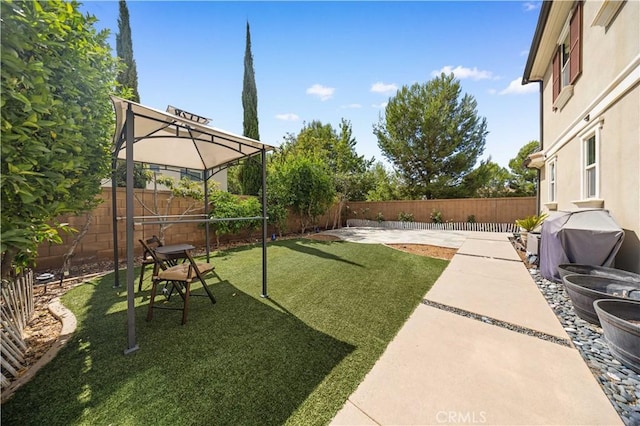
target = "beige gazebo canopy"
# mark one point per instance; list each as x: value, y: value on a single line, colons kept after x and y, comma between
x: 175, y: 138
x: 179, y: 138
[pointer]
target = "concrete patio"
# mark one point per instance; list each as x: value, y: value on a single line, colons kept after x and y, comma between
x: 446, y: 368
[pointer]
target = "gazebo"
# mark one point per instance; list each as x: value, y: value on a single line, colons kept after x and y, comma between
x: 175, y: 138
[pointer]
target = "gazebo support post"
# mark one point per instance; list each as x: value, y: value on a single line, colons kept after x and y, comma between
x: 114, y: 218
x: 264, y: 223
x: 132, y: 346
x: 206, y: 212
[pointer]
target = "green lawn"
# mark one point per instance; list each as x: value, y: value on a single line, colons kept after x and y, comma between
x: 293, y: 358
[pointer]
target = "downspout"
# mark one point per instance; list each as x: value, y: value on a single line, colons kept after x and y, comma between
x: 538, y: 201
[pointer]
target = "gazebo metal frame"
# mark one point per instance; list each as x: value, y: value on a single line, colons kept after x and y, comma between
x: 180, y: 139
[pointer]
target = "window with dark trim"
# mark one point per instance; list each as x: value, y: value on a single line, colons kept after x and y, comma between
x: 552, y: 179
x: 590, y: 182
x: 567, y: 61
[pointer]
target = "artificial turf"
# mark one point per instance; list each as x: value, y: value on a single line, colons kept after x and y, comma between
x: 292, y: 358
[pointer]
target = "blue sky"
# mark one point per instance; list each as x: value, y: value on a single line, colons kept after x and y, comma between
x: 328, y: 60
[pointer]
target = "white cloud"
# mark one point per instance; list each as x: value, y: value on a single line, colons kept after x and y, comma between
x: 529, y: 6
x: 516, y: 88
x: 287, y: 117
x: 382, y: 105
x: 463, y: 72
x: 492, y: 91
x: 351, y: 106
x: 324, y: 93
x: 381, y: 87
x: 524, y: 53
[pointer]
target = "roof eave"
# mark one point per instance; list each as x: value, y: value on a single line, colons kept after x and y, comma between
x: 535, y: 44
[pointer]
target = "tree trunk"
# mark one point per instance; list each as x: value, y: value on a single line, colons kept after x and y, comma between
x: 337, y: 217
x: 7, y: 262
x: 66, y: 260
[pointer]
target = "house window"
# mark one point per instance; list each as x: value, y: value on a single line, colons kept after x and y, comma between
x: 552, y: 180
x: 590, y: 179
x: 565, y: 54
x: 567, y: 62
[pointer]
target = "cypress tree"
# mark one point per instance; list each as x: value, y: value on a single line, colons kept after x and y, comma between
x: 250, y: 173
x: 128, y: 77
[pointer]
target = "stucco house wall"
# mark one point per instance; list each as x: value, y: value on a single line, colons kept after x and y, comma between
x: 605, y: 102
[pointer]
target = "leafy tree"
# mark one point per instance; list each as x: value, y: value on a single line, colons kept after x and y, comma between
x: 57, y: 120
x: 250, y: 173
x: 128, y: 76
x: 338, y: 152
x: 225, y: 206
x: 386, y: 185
x: 488, y: 180
x: 314, y: 139
x: 523, y: 181
x: 185, y: 188
x: 140, y: 175
x: 302, y: 183
x: 233, y: 180
x: 432, y: 135
x: 278, y: 195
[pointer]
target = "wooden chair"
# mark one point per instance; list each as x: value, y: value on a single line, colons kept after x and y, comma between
x: 148, y: 256
x: 180, y: 276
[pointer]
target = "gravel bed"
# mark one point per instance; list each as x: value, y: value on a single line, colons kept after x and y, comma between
x: 620, y: 384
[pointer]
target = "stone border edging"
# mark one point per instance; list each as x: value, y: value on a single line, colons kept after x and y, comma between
x: 69, y: 324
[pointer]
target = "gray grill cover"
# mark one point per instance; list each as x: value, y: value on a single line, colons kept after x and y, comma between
x: 587, y: 237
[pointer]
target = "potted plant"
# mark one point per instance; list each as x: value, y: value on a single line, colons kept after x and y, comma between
x: 529, y: 224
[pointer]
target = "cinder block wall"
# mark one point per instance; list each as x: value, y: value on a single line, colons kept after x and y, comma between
x: 98, y: 243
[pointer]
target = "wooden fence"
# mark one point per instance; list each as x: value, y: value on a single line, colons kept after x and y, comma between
x: 448, y: 226
x: 16, y: 310
x: 483, y: 210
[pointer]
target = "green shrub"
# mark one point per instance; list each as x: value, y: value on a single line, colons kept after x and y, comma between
x: 436, y: 216
x: 530, y: 223
x: 226, y: 206
x: 405, y: 217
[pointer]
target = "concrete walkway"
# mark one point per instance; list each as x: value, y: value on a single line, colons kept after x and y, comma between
x: 446, y: 368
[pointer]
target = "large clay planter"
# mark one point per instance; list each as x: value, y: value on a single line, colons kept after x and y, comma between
x: 586, y: 289
x: 600, y: 271
x: 620, y: 320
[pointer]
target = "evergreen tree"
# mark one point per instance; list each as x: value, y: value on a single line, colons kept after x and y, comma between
x: 250, y: 173
x: 128, y: 80
x: 433, y: 136
x: 524, y: 181
x: 128, y: 76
